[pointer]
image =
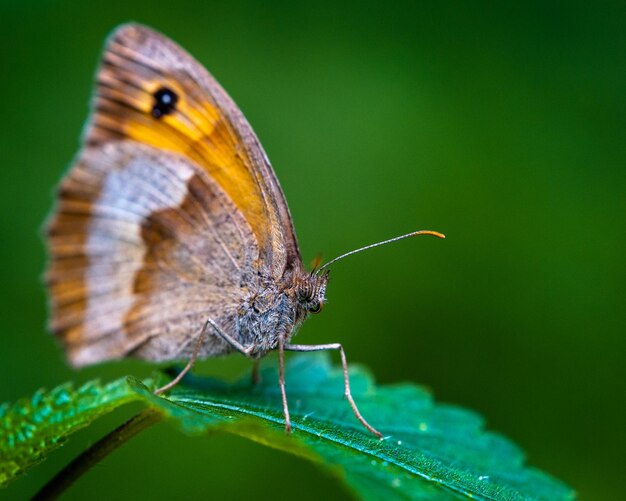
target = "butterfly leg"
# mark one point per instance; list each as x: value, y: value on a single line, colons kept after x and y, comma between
x: 281, y: 382
x: 247, y: 351
x: 346, y: 379
x: 230, y: 340
x: 256, y: 376
x: 187, y: 368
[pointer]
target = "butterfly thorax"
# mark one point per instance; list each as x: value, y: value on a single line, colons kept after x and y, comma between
x: 277, y: 309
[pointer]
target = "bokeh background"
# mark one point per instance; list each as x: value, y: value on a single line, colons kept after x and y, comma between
x: 501, y: 124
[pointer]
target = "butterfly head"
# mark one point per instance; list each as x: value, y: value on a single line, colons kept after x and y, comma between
x: 311, y: 292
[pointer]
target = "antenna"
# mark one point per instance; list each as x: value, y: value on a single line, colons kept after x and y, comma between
x: 377, y: 244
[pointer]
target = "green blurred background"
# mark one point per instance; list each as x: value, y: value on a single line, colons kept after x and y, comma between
x: 501, y: 125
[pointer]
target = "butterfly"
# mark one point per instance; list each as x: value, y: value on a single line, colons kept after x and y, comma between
x: 171, y: 238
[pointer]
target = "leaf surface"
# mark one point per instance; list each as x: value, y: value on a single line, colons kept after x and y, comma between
x: 32, y: 428
x: 430, y: 451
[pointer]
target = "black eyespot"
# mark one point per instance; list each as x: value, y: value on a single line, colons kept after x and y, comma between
x: 164, y: 102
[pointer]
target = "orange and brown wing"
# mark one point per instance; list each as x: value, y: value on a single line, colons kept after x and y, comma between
x: 139, y: 68
x: 144, y: 247
x: 168, y: 212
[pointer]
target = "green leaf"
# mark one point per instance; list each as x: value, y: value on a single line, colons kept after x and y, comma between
x: 31, y: 428
x: 429, y: 451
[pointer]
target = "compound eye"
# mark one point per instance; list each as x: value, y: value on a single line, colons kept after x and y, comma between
x: 316, y: 307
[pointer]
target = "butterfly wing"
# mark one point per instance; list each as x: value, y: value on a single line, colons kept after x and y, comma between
x: 205, y: 125
x: 145, y: 247
x: 164, y: 219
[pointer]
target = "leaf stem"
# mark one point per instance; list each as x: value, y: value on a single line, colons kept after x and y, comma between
x: 97, y: 452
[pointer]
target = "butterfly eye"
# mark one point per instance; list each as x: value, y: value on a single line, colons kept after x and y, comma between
x: 316, y: 307
x: 164, y: 102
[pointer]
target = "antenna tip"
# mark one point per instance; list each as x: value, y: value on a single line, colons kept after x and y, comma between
x: 428, y: 232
